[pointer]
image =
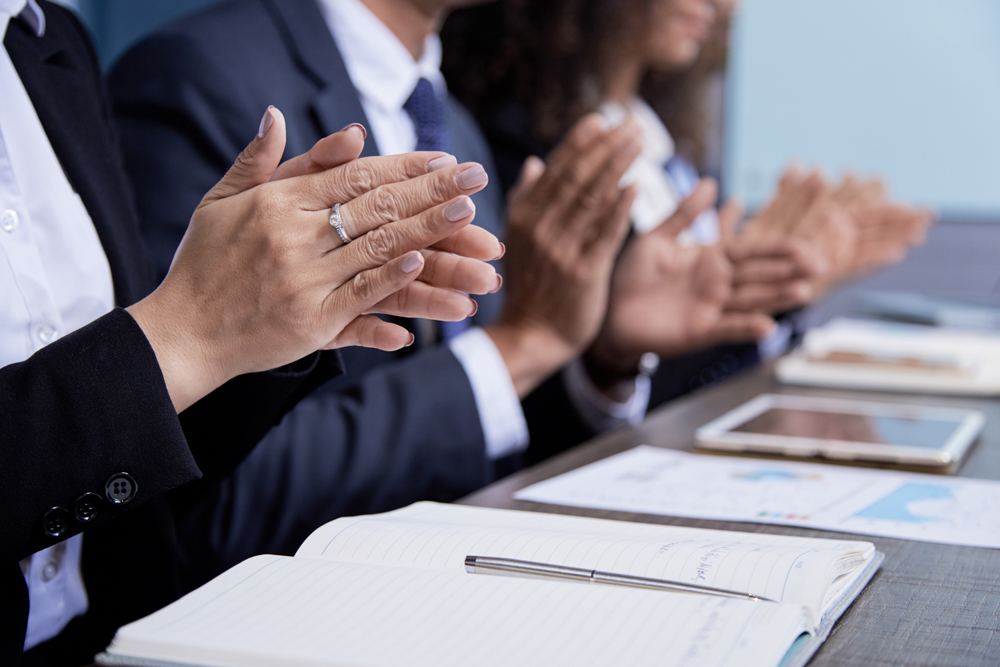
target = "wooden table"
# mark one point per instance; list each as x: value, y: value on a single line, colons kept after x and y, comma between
x: 930, y: 604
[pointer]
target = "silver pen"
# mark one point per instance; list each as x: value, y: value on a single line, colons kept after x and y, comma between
x: 526, y: 568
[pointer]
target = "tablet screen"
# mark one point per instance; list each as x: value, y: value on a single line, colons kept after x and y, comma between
x: 927, y: 433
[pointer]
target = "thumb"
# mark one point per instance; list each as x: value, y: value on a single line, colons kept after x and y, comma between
x: 257, y: 162
x: 531, y: 171
x: 699, y: 201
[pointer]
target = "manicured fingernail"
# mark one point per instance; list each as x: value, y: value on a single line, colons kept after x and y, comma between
x: 499, y: 284
x: 503, y: 251
x: 413, y: 339
x: 360, y: 127
x: 475, y: 308
x: 460, y: 210
x: 442, y: 162
x: 472, y: 178
x: 265, y: 123
x: 413, y: 262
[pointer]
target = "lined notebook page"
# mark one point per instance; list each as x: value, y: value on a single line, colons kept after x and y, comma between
x: 431, y: 535
x: 298, y: 612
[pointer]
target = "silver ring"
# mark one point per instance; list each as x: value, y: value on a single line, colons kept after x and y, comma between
x: 338, y: 224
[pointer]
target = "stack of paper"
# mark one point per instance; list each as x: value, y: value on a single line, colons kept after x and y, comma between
x: 857, y: 354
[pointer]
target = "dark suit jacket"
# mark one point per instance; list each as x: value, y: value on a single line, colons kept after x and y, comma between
x: 94, y: 404
x: 396, y: 429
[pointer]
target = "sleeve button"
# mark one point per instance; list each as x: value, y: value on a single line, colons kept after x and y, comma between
x: 120, y: 488
x: 86, y: 507
x: 55, y: 522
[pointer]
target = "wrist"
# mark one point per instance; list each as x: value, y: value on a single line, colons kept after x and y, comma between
x: 188, y: 372
x: 532, y: 354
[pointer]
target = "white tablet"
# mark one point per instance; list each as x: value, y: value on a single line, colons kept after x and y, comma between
x: 836, y: 429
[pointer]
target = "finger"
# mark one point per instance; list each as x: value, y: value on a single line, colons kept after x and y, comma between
x: 317, y: 192
x: 609, y: 237
x: 700, y: 200
x: 395, y: 239
x: 370, y: 331
x: 578, y: 142
x: 257, y: 162
x: 531, y: 171
x: 809, y: 263
x: 419, y: 300
x: 474, y: 242
x: 596, y: 199
x: 327, y: 153
x: 729, y: 217
x: 733, y: 328
x: 359, y: 295
x: 590, y: 186
x: 462, y: 274
x: 765, y: 270
x: 398, y: 201
x: 770, y: 297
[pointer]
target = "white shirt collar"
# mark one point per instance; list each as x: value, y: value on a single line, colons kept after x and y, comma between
x: 28, y: 10
x: 381, y: 68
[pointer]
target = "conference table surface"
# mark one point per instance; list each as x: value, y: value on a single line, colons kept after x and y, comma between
x: 930, y: 604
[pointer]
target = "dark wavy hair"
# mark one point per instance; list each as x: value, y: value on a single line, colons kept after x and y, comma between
x: 554, y: 58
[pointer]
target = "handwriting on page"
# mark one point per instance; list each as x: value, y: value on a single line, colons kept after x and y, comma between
x: 772, y: 566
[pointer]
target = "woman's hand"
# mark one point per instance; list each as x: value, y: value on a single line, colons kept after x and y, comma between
x: 566, y: 223
x: 671, y: 299
x: 261, y: 279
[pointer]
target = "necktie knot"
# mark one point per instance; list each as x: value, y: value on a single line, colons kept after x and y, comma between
x: 427, y: 111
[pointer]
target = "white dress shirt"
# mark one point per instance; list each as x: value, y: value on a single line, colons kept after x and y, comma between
x: 54, y: 278
x: 385, y: 74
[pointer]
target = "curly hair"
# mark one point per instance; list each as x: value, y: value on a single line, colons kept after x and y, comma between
x: 554, y: 57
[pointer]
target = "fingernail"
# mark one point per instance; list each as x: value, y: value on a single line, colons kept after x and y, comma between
x: 442, y: 162
x: 499, y: 284
x: 412, y: 263
x: 460, y: 210
x: 475, y: 308
x: 265, y: 123
x: 503, y: 251
x: 413, y: 339
x: 361, y: 128
x: 472, y: 178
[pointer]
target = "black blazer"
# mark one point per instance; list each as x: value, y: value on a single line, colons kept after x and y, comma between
x: 93, y: 404
x: 398, y: 428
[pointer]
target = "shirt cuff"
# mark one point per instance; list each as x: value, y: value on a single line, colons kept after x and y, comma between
x: 504, y: 426
x: 599, y: 412
x: 775, y: 343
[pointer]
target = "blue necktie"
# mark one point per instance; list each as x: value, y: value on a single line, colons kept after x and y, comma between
x: 430, y: 120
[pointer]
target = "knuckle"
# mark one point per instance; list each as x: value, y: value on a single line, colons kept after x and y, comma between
x: 358, y: 176
x: 385, y: 204
x: 363, y: 286
x: 378, y: 245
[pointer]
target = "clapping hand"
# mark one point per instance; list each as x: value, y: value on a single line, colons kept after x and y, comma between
x: 671, y: 299
x: 566, y: 223
x: 261, y: 278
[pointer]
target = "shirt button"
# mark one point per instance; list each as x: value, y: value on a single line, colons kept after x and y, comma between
x: 9, y: 220
x: 47, y: 333
x: 49, y: 571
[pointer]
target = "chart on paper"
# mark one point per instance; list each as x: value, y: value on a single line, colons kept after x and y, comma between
x: 851, y: 500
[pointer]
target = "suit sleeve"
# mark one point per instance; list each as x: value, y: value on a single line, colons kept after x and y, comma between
x: 406, y: 431
x: 75, y: 415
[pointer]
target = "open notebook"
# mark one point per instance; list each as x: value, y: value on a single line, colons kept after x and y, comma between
x: 392, y: 589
